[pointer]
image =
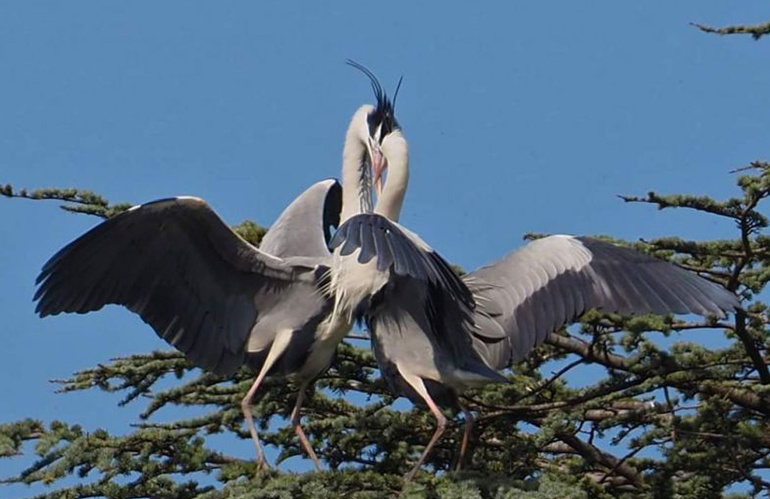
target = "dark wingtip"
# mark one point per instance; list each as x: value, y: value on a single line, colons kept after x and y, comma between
x: 41, y: 289
x: 39, y: 310
x: 41, y: 276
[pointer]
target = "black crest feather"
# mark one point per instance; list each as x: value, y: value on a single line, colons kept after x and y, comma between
x: 384, y: 113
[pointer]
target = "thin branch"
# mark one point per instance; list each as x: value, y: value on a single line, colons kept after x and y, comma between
x: 751, y: 347
x: 756, y: 31
x: 589, y: 353
x: 620, y: 463
x: 84, y: 201
x: 594, y: 455
x: 553, y: 378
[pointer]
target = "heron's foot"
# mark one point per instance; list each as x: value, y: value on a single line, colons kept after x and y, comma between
x: 457, y: 466
x: 409, y: 476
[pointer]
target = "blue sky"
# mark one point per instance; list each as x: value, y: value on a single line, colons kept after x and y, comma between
x: 520, y: 117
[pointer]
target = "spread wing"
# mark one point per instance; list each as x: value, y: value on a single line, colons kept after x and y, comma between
x: 550, y: 282
x: 176, y: 264
x: 304, y: 227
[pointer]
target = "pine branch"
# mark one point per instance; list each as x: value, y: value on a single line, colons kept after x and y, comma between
x: 86, y: 202
x: 752, y: 347
x: 756, y: 31
x: 82, y: 201
x: 593, y: 455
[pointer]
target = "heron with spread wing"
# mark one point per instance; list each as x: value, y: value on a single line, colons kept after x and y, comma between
x: 214, y: 296
x: 435, y: 334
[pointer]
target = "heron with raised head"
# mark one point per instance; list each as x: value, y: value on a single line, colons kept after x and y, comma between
x: 435, y: 335
x: 214, y: 296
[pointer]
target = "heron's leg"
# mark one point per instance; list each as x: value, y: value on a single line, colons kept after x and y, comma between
x: 295, y: 417
x: 249, y: 418
x: 466, y: 436
x: 276, y: 349
x: 418, y: 385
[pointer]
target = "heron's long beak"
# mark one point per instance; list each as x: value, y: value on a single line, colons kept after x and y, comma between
x: 378, y: 167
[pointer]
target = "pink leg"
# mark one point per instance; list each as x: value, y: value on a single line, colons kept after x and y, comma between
x: 247, y: 415
x: 466, y: 436
x: 276, y: 349
x: 295, y: 418
x: 419, y: 387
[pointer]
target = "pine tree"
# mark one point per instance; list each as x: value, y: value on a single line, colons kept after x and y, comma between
x: 677, y: 421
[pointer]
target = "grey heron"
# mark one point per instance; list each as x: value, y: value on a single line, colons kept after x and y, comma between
x: 215, y: 297
x: 435, y: 335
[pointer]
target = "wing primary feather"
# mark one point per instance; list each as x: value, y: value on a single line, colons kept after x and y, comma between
x: 368, y: 250
x: 643, y: 294
x: 382, y: 248
x: 340, y: 236
x: 652, y: 290
x: 699, y: 292
x: 411, y: 257
x: 624, y: 297
x: 528, y: 309
x: 696, y: 303
x: 352, y: 237
x: 541, y: 308
x: 579, y: 295
x: 669, y: 290
x: 452, y: 280
x: 561, y: 301
x: 400, y: 259
x: 203, y: 348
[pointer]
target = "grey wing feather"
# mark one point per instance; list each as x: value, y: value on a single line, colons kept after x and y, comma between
x: 383, y: 249
x: 352, y: 239
x: 401, y: 250
x: 368, y: 250
x: 551, y: 281
x: 175, y: 263
x: 303, y: 228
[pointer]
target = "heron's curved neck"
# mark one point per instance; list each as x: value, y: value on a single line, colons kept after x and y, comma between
x: 389, y: 204
x: 356, y: 171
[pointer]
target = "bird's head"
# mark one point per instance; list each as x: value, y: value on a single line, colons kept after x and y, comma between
x: 377, y: 124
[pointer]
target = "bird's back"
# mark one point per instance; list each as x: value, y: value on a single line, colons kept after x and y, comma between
x: 417, y: 334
